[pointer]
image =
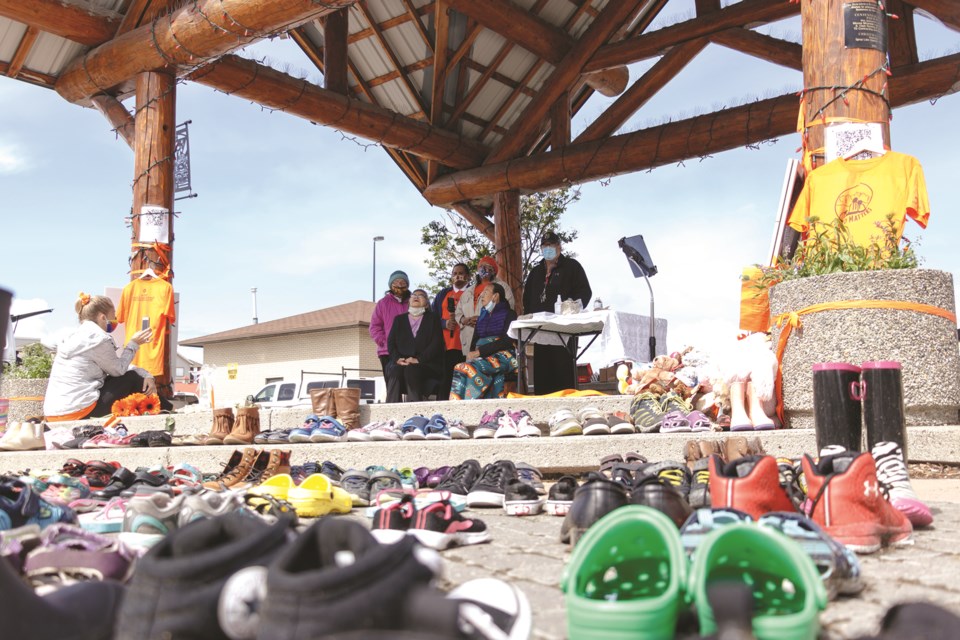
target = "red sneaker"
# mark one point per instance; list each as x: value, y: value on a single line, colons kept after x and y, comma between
x: 845, y: 500
x: 750, y: 484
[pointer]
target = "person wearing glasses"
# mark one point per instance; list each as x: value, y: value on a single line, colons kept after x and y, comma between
x: 555, y: 276
x: 415, y: 347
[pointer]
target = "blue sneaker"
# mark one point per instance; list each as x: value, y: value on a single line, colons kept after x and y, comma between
x: 329, y: 430
x: 303, y: 433
x: 22, y: 506
x: 413, y: 428
x: 437, y: 428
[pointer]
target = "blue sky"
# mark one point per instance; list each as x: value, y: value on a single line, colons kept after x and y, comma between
x: 291, y: 208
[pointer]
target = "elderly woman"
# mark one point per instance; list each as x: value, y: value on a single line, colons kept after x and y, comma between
x: 87, y: 375
x: 468, y: 308
x: 492, y: 353
x: 415, y: 345
x: 393, y: 303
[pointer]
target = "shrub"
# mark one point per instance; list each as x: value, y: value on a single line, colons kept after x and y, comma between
x: 35, y: 362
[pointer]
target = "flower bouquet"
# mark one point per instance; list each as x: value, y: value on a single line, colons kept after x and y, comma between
x: 137, y: 404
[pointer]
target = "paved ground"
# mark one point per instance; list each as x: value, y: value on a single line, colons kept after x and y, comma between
x: 527, y: 552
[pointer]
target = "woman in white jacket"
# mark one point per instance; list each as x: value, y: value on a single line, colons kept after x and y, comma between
x: 87, y: 375
x: 468, y: 309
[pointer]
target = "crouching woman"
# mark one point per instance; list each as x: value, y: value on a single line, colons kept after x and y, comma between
x: 87, y: 375
x: 493, y: 355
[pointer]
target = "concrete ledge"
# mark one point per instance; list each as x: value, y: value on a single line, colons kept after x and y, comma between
x: 551, y: 455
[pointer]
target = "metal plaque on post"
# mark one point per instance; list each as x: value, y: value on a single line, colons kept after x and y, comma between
x: 864, y: 25
x: 181, y: 160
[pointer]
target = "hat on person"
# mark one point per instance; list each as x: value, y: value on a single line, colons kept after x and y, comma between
x: 489, y: 262
x: 550, y: 237
x: 397, y: 275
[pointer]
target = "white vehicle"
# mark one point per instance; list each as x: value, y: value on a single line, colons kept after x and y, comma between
x: 285, y: 393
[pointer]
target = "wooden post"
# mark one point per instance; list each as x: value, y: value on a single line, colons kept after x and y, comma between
x: 506, y: 220
x: 335, y: 51
x: 828, y: 62
x: 153, y: 178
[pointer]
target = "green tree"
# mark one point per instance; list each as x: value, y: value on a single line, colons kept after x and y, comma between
x: 453, y: 239
x: 35, y: 362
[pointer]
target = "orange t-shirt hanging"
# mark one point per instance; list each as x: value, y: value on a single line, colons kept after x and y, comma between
x: 151, y: 298
x: 863, y: 193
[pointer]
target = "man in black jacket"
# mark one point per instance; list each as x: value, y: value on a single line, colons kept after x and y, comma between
x: 444, y: 306
x: 555, y: 275
x: 416, y: 351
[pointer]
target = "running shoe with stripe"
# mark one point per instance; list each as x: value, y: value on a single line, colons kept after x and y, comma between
x: 440, y: 526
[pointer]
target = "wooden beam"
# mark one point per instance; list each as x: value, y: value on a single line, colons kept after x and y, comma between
x: 418, y: 23
x: 87, y: 25
x: 506, y: 220
x: 441, y: 28
x: 201, y: 30
x: 23, y: 50
x: 902, y: 34
x: 136, y: 14
x: 758, y: 45
x: 946, y: 11
x: 672, y: 142
x: 560, y: 122
x: 523, y: 27
x: 648, y: 45
x: 472, y: 215
x: 33, y: 77
x: 642, y: 90
x: 335, y: 27
x: 117, y: 115
x: 529, y: 122
x: 276, y: 90
x: 388, y: 51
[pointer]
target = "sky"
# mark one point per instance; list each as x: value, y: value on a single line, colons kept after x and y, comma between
x: 291, y: 208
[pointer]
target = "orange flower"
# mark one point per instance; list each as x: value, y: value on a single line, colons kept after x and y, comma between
x: 117, y: 408
x: 150, y: 405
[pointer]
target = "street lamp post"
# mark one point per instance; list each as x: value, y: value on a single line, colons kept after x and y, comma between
x: 376, y: 239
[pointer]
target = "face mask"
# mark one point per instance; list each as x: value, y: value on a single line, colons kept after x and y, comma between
x: 485, y: 273
x: 416, y: 311
x: 110, y: 327
x: 489, y: 306
x: 549, y: 253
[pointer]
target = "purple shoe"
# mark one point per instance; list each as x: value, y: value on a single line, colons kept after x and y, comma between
x: 70, y: 550
x: 421, y: 474
x: 437, y: 476
x: 488, y: 424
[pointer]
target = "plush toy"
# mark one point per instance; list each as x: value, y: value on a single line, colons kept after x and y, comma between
x: 748, y: 371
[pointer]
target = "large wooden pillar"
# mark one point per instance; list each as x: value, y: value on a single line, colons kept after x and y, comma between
x: 155, y: 124
x: 844, y: 67
x: 506, y: 220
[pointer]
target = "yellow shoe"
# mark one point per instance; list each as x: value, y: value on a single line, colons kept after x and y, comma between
x: 342, y: 502
x: 277, y: 486
x: 313, y: 498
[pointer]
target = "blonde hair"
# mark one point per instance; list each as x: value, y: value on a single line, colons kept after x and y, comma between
x: 89, y: 307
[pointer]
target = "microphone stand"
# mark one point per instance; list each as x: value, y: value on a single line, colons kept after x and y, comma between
x: 634, y: 257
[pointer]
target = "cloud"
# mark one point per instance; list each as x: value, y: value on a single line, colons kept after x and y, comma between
x: 12, y: 159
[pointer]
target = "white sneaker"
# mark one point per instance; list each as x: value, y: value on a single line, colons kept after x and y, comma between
x: 564, y: 423
x: 507, y: 428
x: 386, y: 431
x: 363, y: 434
x: 525, y: 426
x: 458, y: 431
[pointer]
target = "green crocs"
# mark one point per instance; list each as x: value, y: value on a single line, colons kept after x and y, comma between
x: 788, y: 594
x: 625, y: 578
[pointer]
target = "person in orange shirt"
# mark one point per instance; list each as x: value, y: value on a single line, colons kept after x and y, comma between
x: 445, y: 306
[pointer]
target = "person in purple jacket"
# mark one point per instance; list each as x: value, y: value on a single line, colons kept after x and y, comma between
x: 393, y: 303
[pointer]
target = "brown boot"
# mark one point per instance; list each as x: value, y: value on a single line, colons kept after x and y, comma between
x: 734, y: 447
x: 246, y: 427
x: 348, y: 407
x: 236, y: 470
x: 222, y: 426
x: 324, y: 403
x: 269, y: 463
x: 709, y: 448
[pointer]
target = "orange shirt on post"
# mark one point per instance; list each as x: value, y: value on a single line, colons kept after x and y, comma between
x: 863, y: 193
x: 151, y: 298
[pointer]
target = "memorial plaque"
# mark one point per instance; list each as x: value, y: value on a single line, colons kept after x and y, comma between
x: 864, y: 26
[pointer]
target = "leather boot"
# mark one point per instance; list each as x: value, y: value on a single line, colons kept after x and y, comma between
x: 269, y: 463
x: 323, y: 401
x: 236, y: 470
x: 348, y: 407
x: 246, y: 427
x: 222, y: 426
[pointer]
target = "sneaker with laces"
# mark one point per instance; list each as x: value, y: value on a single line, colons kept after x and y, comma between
x: 387, y: 432
x: 673, y: 472
x: 440, y: 526
x: 699, y: 496
x: 564, y: 423
x: 460, y: 480
x: 749, y: 483
x: 593, y: 421
x: 354, y: 482
x: 492, y: 484
x: 363, y: 434
x: 458, y: 431
x: 480, y: 609
x: 148, y: 519
x: 532, y: 476
x: 392, y: 521
x: 646, y: 412
x: 521, y: 499
x: 488, y: 424
x: 561, y: 496
x: 892, y: 474
x: 209, y: 504
x: 525, y: 425
x: 506, y: 428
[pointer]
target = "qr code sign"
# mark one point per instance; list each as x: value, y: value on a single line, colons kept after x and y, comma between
x: 842, y: 140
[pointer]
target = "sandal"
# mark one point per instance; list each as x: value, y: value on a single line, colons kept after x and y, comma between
x: 436, y: 428
x: 699, y: 421
x: 413, y: 428
x: 675, y: 422
x: 609, y: 462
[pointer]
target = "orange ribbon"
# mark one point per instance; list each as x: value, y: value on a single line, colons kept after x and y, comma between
x: 791, y: 320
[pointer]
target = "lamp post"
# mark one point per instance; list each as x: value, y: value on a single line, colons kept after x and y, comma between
x: 376, y: 239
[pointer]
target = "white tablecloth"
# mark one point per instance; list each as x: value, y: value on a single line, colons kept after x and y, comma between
x: 623, y: 335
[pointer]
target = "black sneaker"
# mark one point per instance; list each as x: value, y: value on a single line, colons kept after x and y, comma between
x: 460, y: 480
x: 492, y: 484
x: 699, y: 496
x: 532, y: 476
x: 335, y: 578
x: 561, y: 496
x: 676, y: 473
x: 392, y: 521
x: 657, y: 492
x: 478, y: 609
x: 440, y: 525
x: 521, y: 499
x: 180, y: 587
x: 594, y: 499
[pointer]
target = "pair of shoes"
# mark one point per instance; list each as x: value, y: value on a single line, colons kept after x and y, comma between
x: 565, y: 423
x: 342, y: 404
x: 516, y: 424
x: 430, y: 478
x: 363, y: 486
x: 385, y: 430
x: 489, y: 424
x: 20, y: 505
x: 80, y: 435
x: 23, y: 436
x: 422, y: 428
x: 438, y: 525
x: 314, y: 497
x: 487, y: 486
x: 148, y: 519
x: 629, y: 572
x: 228, y: 429
x: 318, y: 429
x: 250, y: 467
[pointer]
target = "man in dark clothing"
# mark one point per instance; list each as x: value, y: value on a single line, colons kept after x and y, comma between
x: 555, y: 275
x: 444, y: 306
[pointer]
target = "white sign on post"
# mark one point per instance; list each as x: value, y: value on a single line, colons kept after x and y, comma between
x: 154, y: 224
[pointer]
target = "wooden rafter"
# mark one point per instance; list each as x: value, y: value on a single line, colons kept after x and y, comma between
x: 87, y: 25
x: 33, y: 77
x: 642, y: 90
x: 394, y: 74
x: 530, y: 121
x: 902, y: 35
x: 136, y: 14
x: 648, y: 45
x: 199, y: 31
x: 388, y: 51
x: 518, y: 90
x: 782, y: 52
x: 464, y: 47
x: 672, y: 142
x: 499, y: 77
x: 277, y: 90
x: 475, y: 217
x: 441, y: 28
x: 117, y: 115
x: 335, y: 57
x: 23, y: 50
x: 418, y: 23
x: 946, y: 11
x: 390, y: 23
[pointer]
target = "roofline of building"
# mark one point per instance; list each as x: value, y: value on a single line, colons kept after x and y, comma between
x: 202, y: 341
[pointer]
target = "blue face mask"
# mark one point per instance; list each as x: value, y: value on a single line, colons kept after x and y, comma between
x: 485, y: 274
x: 489, y: 306
x: 110, y: 327
x: 549, y: 253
